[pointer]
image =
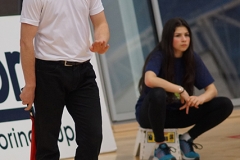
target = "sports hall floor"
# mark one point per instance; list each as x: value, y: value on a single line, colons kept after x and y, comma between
x: 220, y: 143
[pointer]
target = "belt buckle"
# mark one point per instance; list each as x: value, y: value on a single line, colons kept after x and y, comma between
x: 65, y: 64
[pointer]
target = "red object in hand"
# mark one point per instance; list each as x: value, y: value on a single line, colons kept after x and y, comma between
x: 33, y: 141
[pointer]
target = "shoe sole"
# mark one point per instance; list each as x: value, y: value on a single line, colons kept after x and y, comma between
x: 186, y: 158
x: 155, y: 158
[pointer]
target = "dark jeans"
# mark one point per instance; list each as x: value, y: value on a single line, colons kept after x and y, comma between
x: 154, y: 114
x: 74, y: 87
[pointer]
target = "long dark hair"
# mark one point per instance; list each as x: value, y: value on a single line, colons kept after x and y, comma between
x: 166, y: 47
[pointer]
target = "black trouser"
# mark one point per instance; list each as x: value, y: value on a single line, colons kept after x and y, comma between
x: 75, y: 87
x: 154, y: 114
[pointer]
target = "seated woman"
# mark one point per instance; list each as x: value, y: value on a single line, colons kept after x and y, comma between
x: 166, y: 87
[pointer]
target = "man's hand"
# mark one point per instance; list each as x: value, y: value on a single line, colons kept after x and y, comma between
x: 101, y: 33
x: 27, y: 97
x: 99, y: 47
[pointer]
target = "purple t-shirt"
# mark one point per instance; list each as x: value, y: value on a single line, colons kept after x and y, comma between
x: 202, y: 76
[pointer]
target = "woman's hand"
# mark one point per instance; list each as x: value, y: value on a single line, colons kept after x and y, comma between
x: 193, y: 101
x: 184, y: 100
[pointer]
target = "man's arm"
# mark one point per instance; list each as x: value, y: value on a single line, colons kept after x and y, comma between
x: 101, y: 33
x: 28, y: 33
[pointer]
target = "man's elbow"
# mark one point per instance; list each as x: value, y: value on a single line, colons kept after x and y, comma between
x: 25, y: 44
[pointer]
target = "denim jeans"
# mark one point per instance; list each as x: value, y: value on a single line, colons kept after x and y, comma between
x: 73, y: 87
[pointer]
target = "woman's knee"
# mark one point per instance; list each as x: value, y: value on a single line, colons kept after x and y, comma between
x: 225, y: 104
x: 157, y: 96
x: 158, y: 93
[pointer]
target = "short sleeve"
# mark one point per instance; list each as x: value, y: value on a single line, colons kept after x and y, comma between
x: 155, y: 62
x: 95, y: 7
x: 31, y: 12
x: 202, y: 76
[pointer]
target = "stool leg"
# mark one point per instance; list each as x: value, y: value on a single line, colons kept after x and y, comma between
x: 147, y: 145
x: 137, y: 144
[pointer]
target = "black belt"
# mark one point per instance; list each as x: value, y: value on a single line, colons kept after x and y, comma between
x: 65, y: 63
x: 69, y: 63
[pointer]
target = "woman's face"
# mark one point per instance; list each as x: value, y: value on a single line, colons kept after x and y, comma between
x: 181, y: 41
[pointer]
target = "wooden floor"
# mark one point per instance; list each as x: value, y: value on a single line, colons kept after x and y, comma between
x: 220, y: 143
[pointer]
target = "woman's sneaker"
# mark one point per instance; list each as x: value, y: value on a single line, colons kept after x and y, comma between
x: 187, y: 149
x: 163, y: 153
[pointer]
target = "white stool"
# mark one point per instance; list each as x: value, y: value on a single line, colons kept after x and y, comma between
x: 145, y: 142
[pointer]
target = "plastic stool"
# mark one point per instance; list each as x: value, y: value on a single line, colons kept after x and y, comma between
x: 145, y: 142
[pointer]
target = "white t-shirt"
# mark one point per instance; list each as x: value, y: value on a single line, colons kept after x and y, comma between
x: 63, y: 27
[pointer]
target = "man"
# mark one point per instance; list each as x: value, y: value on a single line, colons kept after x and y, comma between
x: 55, y: 54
